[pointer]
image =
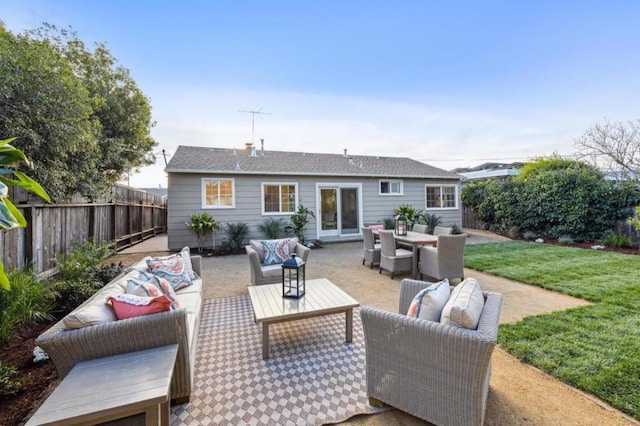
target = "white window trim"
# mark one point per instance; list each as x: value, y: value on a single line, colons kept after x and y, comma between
x: 391, y: 193
x: 457, y: 205
x: 203, y: 195
x: 279, y: 184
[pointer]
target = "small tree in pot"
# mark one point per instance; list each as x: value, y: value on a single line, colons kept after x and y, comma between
x: 202, y: 225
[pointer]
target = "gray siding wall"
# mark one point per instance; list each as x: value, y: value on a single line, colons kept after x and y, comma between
x: 184, y: 199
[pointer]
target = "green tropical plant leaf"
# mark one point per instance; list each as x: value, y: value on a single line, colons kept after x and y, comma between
x: 11, y: 155
x: 28, y: 184
x: 10, y: 216
x: 4, y: 281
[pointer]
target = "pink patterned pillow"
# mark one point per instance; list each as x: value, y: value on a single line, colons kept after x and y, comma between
x: 172, y: 269
x: 130, y: 306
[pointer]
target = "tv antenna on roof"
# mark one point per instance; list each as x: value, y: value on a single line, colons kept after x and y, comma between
x: 253, y: 116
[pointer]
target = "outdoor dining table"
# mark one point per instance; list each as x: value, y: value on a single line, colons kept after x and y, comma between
x: 417, y: 240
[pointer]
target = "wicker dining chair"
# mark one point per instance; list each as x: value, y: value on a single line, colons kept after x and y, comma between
x: 371, y: 249
x: 393, y: 259
x: 446, y: 259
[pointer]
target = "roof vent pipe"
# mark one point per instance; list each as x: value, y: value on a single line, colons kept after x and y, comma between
x: 253, y: 151
x: 345, y: 153
x: 262, y: 147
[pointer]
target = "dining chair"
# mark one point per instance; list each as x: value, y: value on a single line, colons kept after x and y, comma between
x: 419, y: 228
x: 446, y: 260
x: 371, y: 250
x: 442, y: 230
x: 393, y: 259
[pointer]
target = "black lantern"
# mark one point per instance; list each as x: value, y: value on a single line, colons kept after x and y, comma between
x: 293, y: 277
x: 401, y: 225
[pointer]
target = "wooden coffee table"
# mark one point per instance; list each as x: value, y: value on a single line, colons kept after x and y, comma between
x: 322, y: 298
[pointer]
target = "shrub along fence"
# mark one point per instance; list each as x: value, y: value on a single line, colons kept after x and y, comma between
x: 126, y: 216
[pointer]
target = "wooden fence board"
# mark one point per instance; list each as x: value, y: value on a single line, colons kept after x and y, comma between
x: 124, y: 217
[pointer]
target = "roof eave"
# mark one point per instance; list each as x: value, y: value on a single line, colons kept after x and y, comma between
x: 375, y: 175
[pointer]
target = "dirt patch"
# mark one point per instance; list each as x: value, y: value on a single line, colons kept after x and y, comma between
x: 41, y: 377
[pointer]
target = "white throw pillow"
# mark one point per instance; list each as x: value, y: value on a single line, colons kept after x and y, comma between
x: 429, y: 302
x: 96, y: 312
x: 464, y: 306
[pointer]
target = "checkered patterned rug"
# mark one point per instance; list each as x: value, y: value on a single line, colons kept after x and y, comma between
x: 312, y: 377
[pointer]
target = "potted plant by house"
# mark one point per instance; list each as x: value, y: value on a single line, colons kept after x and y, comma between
x: 202, y: 224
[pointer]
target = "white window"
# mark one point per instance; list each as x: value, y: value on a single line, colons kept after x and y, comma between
x: 390, y: 187
x: 441, y: 197
x: 218, y: 193
x: 279, y: 197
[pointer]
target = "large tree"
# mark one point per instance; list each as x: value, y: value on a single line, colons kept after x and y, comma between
x: 78, y: 116
x: 613, y: 146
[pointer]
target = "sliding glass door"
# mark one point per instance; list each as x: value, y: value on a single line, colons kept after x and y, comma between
x: 339, y: 209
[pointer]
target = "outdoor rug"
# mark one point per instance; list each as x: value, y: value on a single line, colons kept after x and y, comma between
x: 312, y: 377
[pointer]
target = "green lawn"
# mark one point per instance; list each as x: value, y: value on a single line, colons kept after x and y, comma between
x: 595, y: 348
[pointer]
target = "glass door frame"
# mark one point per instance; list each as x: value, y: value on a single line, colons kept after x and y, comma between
x: 336, y: 186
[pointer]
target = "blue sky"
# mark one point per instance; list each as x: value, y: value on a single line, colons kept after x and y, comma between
x: 452, y: 83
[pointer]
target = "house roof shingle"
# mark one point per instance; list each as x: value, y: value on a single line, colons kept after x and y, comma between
x: 192, y: 159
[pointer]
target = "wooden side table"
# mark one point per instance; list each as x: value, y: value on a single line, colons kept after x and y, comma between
x: 113, y: 387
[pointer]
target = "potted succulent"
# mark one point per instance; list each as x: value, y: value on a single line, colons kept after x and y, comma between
x: 202, y: 224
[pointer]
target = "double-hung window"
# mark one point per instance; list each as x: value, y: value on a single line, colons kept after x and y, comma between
x: 390, y: 187
x: 441, y: 197
x: 279, y: 198
x: 218, y: 193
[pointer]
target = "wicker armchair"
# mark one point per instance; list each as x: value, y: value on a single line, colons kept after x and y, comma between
x: 271, y: 274
x: 437, y: 372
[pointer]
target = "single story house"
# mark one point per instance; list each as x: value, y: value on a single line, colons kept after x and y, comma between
x: 344, y: 191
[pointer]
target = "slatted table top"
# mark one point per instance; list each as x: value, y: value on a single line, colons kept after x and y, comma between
x: 99, y: 388
x: 322, y: 297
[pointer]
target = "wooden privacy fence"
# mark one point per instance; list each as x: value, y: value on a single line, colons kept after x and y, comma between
x: 124, y: 217
x: 470, y: 219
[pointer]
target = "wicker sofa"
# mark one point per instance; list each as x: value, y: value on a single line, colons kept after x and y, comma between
x: 435, y: 371
x: 66, y: 347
